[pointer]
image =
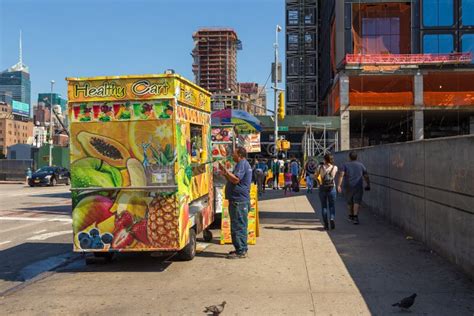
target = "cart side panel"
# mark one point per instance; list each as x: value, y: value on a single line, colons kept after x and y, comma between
x: 128, y: 145
x: 183, y: 179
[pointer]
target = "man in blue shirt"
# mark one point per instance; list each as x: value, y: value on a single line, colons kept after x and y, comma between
x: 353, y: 172
x: 261, y: 171
x: 237, y: 192
x: 295, y: 170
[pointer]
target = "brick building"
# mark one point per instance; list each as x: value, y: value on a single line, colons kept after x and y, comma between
x: 13, y: 131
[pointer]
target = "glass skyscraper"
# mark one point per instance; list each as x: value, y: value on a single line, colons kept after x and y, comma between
x: 17, y: 83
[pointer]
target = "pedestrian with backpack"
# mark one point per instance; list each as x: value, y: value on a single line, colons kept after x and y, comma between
x: 327, y: 190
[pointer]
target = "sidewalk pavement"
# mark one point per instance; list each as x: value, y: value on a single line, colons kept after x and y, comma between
x: 296, y: 268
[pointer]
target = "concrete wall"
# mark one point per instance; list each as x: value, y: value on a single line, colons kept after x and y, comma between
x: 427, y: 189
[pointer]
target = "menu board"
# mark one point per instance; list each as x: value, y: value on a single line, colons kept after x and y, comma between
x: 251, y: 142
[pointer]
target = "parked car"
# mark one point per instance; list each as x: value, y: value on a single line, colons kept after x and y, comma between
x: 49, y: 176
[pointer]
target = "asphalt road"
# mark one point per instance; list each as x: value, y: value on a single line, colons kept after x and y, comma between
x: 35, y: 231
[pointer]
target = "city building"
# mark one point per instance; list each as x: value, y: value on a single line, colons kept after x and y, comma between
x: 19, y: 151
x: 6, y: 97
x: 40, y: 136
x: 302, y: 57
x: 229, y: 100
x: 215, y: 59
x: 396, y: 70
x: 16, y: 81
x: 13, y: 130
x: 57, y: 99
x: 254, y: 98
x: 41, y: 114
x: 61, y: 140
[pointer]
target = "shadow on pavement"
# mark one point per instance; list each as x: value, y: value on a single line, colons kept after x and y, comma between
x: 54, y: 209
x: 289, y: 228
x: 15, y: 259
x: 211, y: 254
x: 386, y: 266
x: 60, y: 195
x: 122, y: 262
x: 279, y: 194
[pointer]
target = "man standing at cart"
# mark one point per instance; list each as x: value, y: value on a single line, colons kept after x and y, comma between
x: 237, y: 192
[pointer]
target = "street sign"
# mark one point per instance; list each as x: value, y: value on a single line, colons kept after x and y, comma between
x: 283, y: 128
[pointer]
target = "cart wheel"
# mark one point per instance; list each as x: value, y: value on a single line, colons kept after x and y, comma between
x: 207, y: 235
x: 106, y: 256
x: 189, y: 251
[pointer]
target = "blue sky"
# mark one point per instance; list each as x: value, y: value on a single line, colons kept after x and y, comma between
x: 71, y: 38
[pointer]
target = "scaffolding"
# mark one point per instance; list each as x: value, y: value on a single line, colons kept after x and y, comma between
x: 215, y: 59
x: 319, y: 145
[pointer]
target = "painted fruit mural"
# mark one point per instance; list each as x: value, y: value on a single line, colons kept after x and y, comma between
x: 103, y: 157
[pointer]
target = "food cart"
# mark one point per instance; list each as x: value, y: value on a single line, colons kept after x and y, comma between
x: 141, y: 169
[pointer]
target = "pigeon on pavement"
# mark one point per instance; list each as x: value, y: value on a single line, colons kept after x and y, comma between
x: 215, y: 310
x: 406, y: 302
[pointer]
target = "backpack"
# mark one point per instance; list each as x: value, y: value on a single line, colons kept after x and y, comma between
x: 328, y: 179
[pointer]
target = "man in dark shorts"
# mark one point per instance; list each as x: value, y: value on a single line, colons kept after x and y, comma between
x: 237, y: 192
x: 353, y: 173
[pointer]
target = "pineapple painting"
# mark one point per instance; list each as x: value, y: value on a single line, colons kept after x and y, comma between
x: 162, y: 222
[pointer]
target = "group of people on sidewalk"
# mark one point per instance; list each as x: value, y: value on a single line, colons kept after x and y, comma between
x: 291, y: 170
x: 351, y: 177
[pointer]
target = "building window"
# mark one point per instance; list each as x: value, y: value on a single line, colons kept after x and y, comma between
x: 310, y: 92
x: 293, y: 93
x: 438, y: 13
x: 310, y: 66
x: 293, y: 66
x: 467, y: 42
x: 309, y: 40
x: 467, y: 9
x: 293, y: 18
x: 309, y: 14
x: 293, y: 41
x: 381, y: 35
x: 438, y: 43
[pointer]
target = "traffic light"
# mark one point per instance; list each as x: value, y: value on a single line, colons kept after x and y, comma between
x: 281, y: 105
x: 283, y: 145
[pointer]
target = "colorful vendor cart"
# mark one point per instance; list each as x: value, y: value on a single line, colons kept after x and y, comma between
x: 141, y: 168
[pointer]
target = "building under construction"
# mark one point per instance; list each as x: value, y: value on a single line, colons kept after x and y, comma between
x: 398, y: 71
x: 215, y: 59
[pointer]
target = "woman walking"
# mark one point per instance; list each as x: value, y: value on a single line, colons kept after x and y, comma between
x: 327, y: 190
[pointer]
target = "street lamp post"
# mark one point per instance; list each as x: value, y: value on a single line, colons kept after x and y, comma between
x: 51, y: 125
x: 275, y: 88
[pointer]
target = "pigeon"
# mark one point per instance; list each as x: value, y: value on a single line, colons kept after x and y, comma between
x: 215, y: 310
x: 406, y: 302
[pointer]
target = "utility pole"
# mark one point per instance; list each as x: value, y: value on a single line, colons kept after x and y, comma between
x: 51, y: 126
x: 275, y: 88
